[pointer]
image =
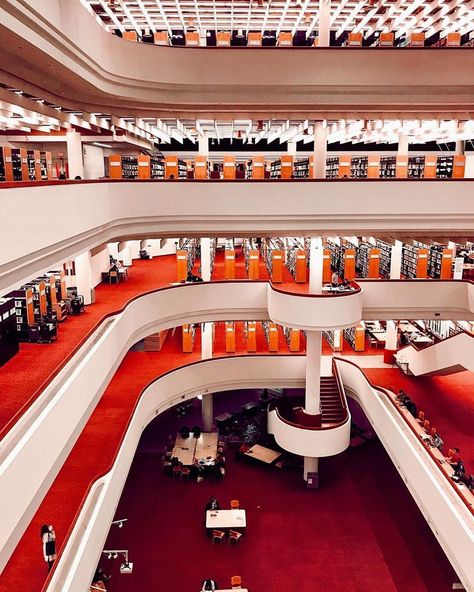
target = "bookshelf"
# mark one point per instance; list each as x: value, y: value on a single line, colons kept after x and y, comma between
x: 293, y: 339
x: 444, y: 167
x: 343, y: 259
x: 2, y: 166
x: 275, y: 169
x: 24, y: 311
x: 359, y: 167
x: 270, y: 330
x: 250, y: 332
x: 8, y: 334
x: 355, y: 337
x: 129, y: 167
x: 188, y: 332
x: 440, y: 262
x: 332, y: 167
x: 273, y: 256
x: 414, y: 261
x: 301, y: 169
x: 334, y: 339
x: 416, y: 167
x: 388, y: 167
x: 368, y: 260
x: 385, y: 250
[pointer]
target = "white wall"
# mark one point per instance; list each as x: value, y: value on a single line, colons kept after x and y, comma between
x: 152, y: 245
x: 103, y: 211
x: 93, y: 161
x: 99, y: 263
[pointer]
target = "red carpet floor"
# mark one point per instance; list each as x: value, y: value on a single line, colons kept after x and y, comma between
x: 360, y: 532
x: 448, y: 402
x: 26, y: 375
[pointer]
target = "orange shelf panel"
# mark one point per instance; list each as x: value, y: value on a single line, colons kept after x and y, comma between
x: 181, y: 266
x: 229, y: 264
x: 251, y: 336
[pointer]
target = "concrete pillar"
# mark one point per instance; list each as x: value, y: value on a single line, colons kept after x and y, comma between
x: 207, y: 403
x: 320, y: 149
x: 452, y: 248
x: 291, y: 147
x: 206, y: 259
x: 313, y: 372
x: 82, y: 264
x: 93, y: 162
x: 313, y: 346
x: 402, y: 145
x: 324, y: 23
x: 203, y: 38
x: 460, y: 147
x: 311, y: 465
x: 396, y: 260
x: 207, y: 406
x: 391, y: 339
x: 74, y: 154
x: 203, y: 146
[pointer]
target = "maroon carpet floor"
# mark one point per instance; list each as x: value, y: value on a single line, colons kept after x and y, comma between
x: 361, y: 531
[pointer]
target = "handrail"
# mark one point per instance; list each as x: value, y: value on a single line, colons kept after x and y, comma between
x: 415, y: 347
x: 122, y: 437
x: 386, y: 392
x: 17, y: 184
x: 342, y: 397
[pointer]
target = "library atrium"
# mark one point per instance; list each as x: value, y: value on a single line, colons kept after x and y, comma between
x: 237, y: 321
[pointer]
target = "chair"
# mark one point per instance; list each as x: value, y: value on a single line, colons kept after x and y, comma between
x: 433, y: 431
x: 450, y: 453
x: 236, y: 581
x: 421, y: 417
x: 426, y: 425
x: 176, y: 471
x: 234, y: 504
x: 184, y: 432
x: 217, y: 536
x: 113, y: 275
x: 185, y: 473
x: 196, y: 431
x: 234, y: 536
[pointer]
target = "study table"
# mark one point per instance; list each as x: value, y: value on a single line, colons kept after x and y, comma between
x: 218, y: 519
x: 265, y: 455
x: 184, y: 449
x: 189, y: 449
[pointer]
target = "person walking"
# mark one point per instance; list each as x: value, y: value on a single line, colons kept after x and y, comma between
x: 48, y: 538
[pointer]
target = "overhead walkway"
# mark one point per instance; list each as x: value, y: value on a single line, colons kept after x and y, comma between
x: 448, y: 356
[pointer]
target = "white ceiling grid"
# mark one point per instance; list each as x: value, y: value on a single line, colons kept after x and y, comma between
x: 367, y: 16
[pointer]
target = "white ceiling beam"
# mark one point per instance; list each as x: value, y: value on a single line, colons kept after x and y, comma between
x: 129, y: 15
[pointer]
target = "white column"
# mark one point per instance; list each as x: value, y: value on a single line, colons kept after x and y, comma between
x: 83, y: 276
x: 291, y: 147
x: 320, y: 149
x: 93, y: 162
x: 203, y: 145
x: 74, y: 154
x: 313, y: 347
x: 313, y: 372
x: 402, y: 145
x: 460, y: 147
x: 203, y: 38
x: 396, y: 260
x: 206, y: 259
x: 324, y: 24
x: 452, y: 248
x: 207, y: 406
x: 391, y: 338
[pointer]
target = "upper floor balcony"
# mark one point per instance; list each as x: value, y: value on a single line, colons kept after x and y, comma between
x: 83, y: 65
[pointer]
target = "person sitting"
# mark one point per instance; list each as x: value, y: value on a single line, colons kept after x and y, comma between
x: 455, y: 457
x: 436, y: 441
x: 411, y: 407
x: 346, y: 284
x: 212, y: 504
x: 459, y: 469
x: 468, y: 481
x: 401, y: 395
x: 209, y: 585
x: 334, y: 279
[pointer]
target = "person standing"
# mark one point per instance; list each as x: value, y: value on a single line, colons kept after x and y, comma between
x: 48, y: 538
x: 209, y: 584
x: 213, y: 504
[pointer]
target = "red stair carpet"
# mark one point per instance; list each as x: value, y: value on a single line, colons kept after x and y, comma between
x: 361, y: 531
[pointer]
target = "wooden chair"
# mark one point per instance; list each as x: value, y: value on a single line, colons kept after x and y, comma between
x: 234, y: 505
x: 236, y: 581
x: 217, y: 536
x: 234, y: 536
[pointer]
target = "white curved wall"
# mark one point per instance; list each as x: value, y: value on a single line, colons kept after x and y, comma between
x: 445, y: 512
x: 314, y: 313
x: 453, y: 354
x: 105, y: 211
x: 75, y: 569
x: 316, y: 443
x: 68, y: 401
x: 83, y: 57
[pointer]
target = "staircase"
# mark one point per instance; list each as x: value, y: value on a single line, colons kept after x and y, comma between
x: 331, y: 406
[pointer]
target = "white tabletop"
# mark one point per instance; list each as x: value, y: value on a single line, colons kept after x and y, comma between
x: 421, y: 339
x: 226, y: 519
x: 266, y: 455
x: 206, y: 445
x: 184, y: 449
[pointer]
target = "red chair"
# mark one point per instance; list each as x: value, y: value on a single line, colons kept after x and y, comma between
x: 176, y: 471
x: 234, y: 504
x: 426, y: 425
x: 421, y: 417
x: 235, y: 581
x: 217, y: 536
x: 234, y: 536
